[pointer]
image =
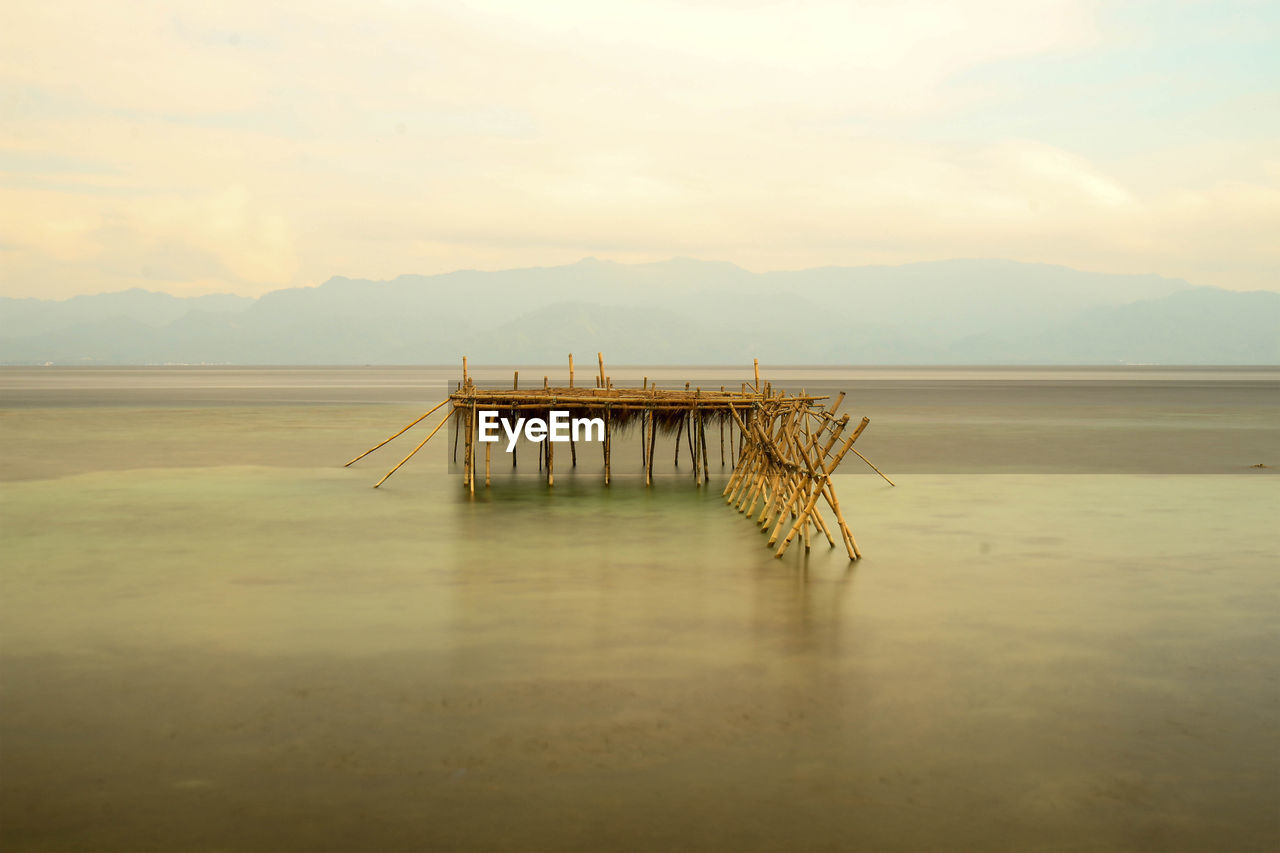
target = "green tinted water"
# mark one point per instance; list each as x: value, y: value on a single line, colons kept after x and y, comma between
x: 216, y: 638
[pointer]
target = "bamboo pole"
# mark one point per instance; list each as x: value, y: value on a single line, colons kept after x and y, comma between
x: 551, y: 457
x: 570, y: 370
x: 456, y: 431
x: 471, y: 439
x: 851, y: 545
x: 644, y: 443
x: 702, y: 434
x: 488, y: 446
x: 466, y: 451
x: 608, y: 445
x: 874, y: 468
x: 822, y: 525
x: 600, y: 356
x: 653, y: 436
x: 693, y: 445
x: 414, y: 423
x: 679, y: 430
x: 443, y: 421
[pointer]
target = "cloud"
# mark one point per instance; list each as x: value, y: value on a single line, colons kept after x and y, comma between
x: 244, y: 146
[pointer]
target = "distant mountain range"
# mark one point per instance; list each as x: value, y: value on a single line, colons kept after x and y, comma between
x: 679, y: 311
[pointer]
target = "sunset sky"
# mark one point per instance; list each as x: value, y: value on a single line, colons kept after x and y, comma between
x: 241, y: 146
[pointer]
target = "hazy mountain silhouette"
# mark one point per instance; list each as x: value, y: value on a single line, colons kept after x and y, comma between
x: 36, y: 316
x: 677, y: 311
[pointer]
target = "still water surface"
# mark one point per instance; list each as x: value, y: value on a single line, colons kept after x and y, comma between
x: 214, y: 637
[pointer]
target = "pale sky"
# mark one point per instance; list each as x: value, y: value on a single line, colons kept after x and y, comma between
x: 236, y: 146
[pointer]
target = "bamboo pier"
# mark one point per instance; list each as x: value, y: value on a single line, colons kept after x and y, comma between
x: 788, y: 446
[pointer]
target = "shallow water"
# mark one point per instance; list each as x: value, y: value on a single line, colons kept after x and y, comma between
x: 216, y: 638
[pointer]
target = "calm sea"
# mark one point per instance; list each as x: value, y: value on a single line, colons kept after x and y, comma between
x: 1062, y: 635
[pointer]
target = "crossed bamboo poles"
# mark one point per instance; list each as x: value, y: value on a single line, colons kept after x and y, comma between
x: 788, y: 456
x: 789, y: 445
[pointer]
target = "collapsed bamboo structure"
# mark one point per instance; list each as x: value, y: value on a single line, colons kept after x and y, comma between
x: 788, y: 445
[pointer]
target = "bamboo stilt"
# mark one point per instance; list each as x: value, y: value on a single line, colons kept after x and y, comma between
x: 644, y: 443
x: 455, y: 438
x: 679, y: 430
x: 608, y: 442
x: 413, y: 423
x: 690, y: 438
x: 702, y: 437
x: 874, y: 468
x: 466, y: 451
x: 471, y: 450
x: 416, y: 449
x: 693, y: 446
x: 653, y: 436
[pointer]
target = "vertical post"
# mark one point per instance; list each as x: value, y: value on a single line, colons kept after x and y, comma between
x: 600, y: 356
x: 466, y: 449
x: 473, y: 448
x: 488, y: 447
x: 644, y: 443
x: 570, y: 370
x: 693, y: 441
x: 551, y: 450
x: 702, y: 438
x: 515, y: 381
x: 679, y: 431
x: 607, y: 445
x: 465, y: 380
x: 648, y: 464
x: 757, y: 374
